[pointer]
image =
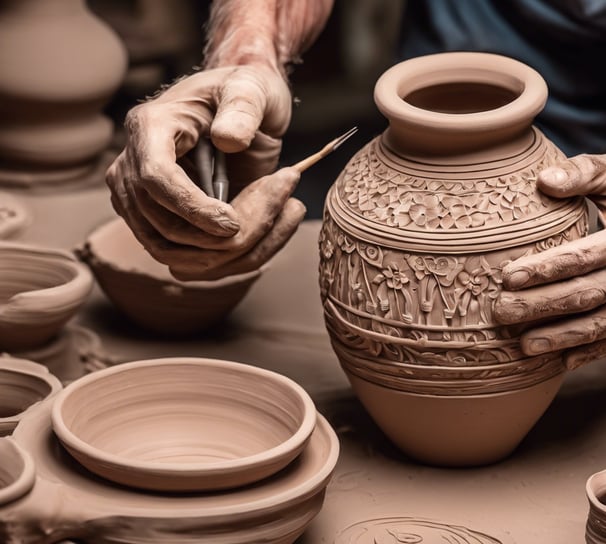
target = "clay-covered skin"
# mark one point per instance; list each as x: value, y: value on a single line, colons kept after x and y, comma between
x: 241, y: 101
x: 145, y: 290
x: 568, y: 281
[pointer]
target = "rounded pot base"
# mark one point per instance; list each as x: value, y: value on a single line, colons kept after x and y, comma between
x: 456, y: 431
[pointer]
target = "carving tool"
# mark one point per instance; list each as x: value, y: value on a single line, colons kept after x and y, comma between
x: 304, y: 164
x: 213, y: 172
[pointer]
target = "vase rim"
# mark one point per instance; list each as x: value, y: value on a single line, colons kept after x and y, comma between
x: 526, y: 86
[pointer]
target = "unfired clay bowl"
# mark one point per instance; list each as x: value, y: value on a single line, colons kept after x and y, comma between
x: 17, y: 473
x: 40, y: 289
x: 145, y: 290
x: 184, y: 424
x: 22, y: 385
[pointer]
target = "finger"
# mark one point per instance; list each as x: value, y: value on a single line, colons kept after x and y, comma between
x: 557, y: 263
x: 579, y: 294
x: 258, y: 160
x: 285, y: 226
x: 242, y: 102
x: 580, y: 175
x: 581, y: 330
x: 580, y: 356
x: 152, y: 151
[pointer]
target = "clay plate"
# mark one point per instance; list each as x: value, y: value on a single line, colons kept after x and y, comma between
x: 184, y: 424
x: 145, y: 290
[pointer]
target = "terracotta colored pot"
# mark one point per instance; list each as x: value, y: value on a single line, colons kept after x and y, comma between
x: 40, y: 290
x: 184, y: 424
x: 416, y: 232
x: 22, y: 385
x: 147, y: 293
x: 68, y: 502
x: 595, y: 532
x: 60, y: 65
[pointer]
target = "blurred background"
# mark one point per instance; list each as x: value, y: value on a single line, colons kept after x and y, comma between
x: 332, y: 87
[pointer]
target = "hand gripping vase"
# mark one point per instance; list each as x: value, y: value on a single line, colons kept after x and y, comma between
x: 417, y: 229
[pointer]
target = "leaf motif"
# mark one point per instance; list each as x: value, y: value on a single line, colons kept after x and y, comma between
x: 379, y: 278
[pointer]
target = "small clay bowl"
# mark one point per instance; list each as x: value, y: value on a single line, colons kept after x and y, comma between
x: 17, y: 472
x: 40, y: 289
x: 184, y: 424
x: 148, y: 294
x: 22, y: 385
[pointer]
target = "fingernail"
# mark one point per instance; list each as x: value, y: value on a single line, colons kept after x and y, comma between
x: 537, y: 346
x: 554, y: 175
x: 517, y: 279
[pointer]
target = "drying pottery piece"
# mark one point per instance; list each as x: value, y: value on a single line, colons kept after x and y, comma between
x: 596, y: 519
x: 13, y: 216
x: 184, y: 424
x: 60, y: 65
x: 73, y: 352
x: 69, y: 502
x: 40, y: 289
x: 22, y: 385
x: 416, y: 232
x: 145, y: 290
x: 17, y: 473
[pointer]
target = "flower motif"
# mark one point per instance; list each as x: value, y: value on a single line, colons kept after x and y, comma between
x: 327, y: 248
x: 475, y: 276
x: 427, y: 212
x: 345, y: 243
x: 393, y: 276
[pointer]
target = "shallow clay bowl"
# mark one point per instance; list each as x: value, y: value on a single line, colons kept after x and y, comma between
x: 145, y: 290
x: 40, y: 289
x: 184, y: 424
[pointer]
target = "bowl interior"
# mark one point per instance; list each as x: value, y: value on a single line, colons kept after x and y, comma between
x: 181, y: 414
x: 114, y: 243
x: 20, y: 391
x: 22, y: 271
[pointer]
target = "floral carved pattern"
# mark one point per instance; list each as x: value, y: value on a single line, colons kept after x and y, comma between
x: 417, y: 308
x: 398, y: 199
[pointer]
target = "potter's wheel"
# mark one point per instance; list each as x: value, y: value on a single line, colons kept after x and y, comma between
x: 86, y: 506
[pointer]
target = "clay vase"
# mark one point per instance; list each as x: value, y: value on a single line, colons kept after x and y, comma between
x: 417, y: 229
x: 60, y: 65
x: 595, y: 531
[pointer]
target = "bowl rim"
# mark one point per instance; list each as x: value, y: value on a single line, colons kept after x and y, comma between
x: 94, y: 258
x: 161, y: 469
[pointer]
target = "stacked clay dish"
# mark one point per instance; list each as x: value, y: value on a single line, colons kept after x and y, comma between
x: 417, y: 230
x: 184, y: 448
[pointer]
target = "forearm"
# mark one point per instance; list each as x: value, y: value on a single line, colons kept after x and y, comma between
x: 271, y: 32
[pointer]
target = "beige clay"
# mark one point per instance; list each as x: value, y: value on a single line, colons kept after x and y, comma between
x: 184, y: 424
x: 145, y: 290
x: 417, y: 230
x: 40, y: 290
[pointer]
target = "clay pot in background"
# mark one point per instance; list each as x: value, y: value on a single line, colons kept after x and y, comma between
x: 417, y: 229
x: 17, y: 472
x: 60, y: 65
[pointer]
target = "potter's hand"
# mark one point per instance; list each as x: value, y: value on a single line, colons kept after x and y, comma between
x: 566, y: 282
x: 244, y: 110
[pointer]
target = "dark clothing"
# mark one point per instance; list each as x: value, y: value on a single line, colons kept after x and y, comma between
x: 564, y: 40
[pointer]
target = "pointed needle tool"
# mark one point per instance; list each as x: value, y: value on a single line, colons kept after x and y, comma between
x: 326, y: 150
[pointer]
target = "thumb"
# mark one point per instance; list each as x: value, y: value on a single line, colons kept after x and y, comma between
x: 241, y: 107
x: 580, y: 175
